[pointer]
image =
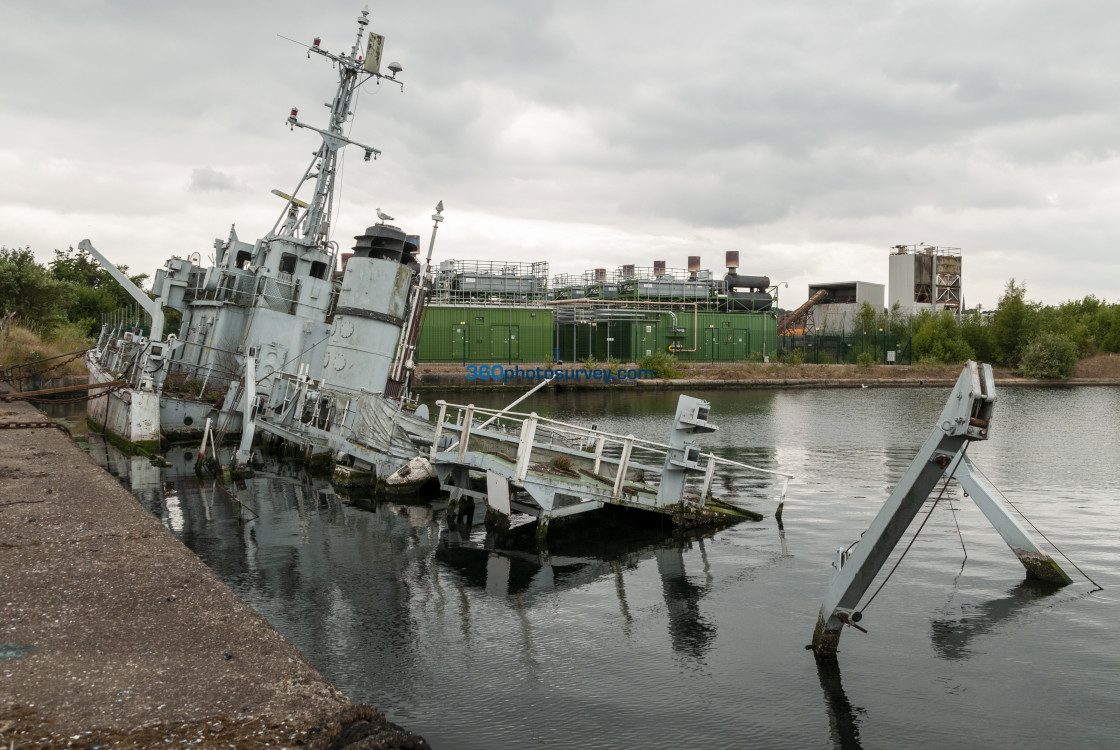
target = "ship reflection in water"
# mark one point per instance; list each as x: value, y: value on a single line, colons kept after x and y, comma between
x: 384, y: 596
x: 581, y: 555
x: 638, y: 638
x: 514, y: 567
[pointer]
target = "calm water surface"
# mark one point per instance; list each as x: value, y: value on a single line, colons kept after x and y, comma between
x: 638, y: 640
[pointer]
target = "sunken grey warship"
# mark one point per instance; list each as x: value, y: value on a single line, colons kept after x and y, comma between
x: 273, y: 338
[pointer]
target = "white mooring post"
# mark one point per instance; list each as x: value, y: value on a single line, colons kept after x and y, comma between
x: 465, y: 435
x: 623, y: 461
x: 598, y: 454
x: 205, y: 435
x: 439, y: 426
x: 525, y: 447
x: 708, y: 474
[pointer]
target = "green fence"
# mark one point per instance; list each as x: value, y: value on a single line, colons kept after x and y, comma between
x: 700, y: 337
x: 821, y: 348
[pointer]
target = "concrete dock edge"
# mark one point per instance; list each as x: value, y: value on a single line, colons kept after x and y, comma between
x: 114, y: 634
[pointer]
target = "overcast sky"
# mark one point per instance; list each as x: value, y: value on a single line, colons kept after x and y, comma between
x: 809, y: 136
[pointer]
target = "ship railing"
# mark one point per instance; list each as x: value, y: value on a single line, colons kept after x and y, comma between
x: 613, y: 457
x: 199, y: 370
x: 489, y: 297
x: 233, y: 287
x: 242, y: 289
x: 277, y: 294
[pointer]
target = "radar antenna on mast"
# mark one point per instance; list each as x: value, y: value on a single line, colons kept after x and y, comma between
x: 312, y: 225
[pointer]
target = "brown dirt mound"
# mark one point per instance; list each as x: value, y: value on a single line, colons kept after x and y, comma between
x: 1098, y: 366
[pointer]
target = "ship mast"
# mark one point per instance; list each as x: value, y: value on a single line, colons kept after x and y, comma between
x: 312, y: 226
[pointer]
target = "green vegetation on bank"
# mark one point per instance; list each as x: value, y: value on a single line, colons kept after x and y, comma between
x: 53, y: 309
x: 73, y: 288
x: 20, y: 345
x: 58, y: 308
x: 1036, y: 340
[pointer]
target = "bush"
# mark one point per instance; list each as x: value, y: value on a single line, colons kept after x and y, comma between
x: 27, y: 289
x: 939, y: 337
x: 1049, y: 355
x: 662, y: 365
x: 561, y: 462
x: 865, y: 360
x: 796, y: 357
x: 1012, y: 324
x: 978, y: 334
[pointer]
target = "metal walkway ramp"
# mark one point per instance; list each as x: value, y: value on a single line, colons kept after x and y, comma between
x: 551, y: 469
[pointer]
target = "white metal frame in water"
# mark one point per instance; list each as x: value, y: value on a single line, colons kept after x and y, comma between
x: 625, y: 460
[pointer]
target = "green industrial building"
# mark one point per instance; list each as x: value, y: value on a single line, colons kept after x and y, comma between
x: 495, y: 312
x: 486, y: 334
x: 517, y: 333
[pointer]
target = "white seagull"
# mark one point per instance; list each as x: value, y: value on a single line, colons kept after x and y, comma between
x: 383, y: 216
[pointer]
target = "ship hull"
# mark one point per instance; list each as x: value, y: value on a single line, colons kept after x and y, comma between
x: 143, y: 417
x: 129, y: 413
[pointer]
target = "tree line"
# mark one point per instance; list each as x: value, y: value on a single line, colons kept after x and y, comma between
x: 1040, y: 341
x: 73, y: 289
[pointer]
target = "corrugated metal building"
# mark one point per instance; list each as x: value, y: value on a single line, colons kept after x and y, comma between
x: 691, y: 337
x: 837, y: 314
x: 506, y: 312
x: 541, y: 334
x: 486, y: 334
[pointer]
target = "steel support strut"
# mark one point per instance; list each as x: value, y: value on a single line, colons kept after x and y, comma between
x: 966, y: 417
x: 1035, y: 560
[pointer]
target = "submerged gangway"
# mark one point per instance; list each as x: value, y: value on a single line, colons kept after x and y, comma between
x: 549, y: 469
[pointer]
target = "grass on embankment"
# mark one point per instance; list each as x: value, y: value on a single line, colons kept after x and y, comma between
x: 759, y: 371
x: 23, y: 346
x: 1098, y: 366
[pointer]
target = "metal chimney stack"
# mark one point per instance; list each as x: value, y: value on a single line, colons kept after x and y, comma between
x: 732, y: 260
x: 659, y: 268
x: 694, y: 263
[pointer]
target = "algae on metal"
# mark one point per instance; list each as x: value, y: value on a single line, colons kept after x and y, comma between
x: 147, y: 448
x: 824, y: 641
x: 1043, y: 569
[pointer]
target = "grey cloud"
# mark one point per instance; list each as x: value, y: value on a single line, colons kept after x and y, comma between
x: 798, y: 123
x: 208, y: 179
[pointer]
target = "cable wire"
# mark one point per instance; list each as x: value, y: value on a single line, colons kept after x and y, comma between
x: 933, y: 507
x: 1039, y: 531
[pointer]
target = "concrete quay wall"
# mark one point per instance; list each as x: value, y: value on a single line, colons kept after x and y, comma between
x: 113, y: 633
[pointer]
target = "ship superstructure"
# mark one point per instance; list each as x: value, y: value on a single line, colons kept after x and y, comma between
x: 271, y: 330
